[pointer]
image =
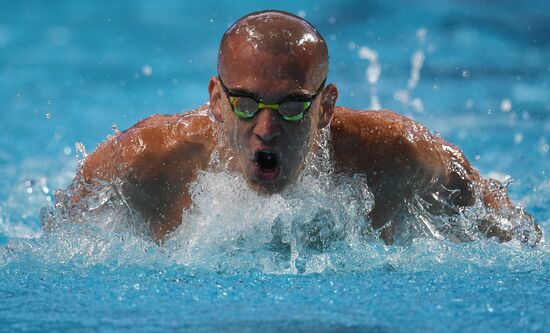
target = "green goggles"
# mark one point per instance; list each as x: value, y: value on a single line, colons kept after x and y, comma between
x: 246, y: 106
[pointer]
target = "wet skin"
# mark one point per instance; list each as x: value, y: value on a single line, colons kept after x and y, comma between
x: 276, y: 57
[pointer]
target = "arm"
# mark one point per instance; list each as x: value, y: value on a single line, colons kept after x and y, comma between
x: 448, y: 182
x: 149, y: 167
x: 402, y: 160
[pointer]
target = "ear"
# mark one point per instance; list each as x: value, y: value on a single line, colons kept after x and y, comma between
x: 216, y: 94
x: 328, y: 102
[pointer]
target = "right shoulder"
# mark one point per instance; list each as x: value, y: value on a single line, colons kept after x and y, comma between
x: 163, y: 130
x: 153, y: 141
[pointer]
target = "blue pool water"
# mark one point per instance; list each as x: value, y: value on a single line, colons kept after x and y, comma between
x: 477, y: 72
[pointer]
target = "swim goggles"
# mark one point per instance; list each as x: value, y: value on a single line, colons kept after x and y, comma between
x: 247, y: 106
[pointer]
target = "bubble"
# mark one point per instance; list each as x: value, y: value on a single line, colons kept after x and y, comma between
x: 518, y: 138
x: 332, y: 20
x: 67, y: 151
x: 465, y: 73
x: 48, y: 116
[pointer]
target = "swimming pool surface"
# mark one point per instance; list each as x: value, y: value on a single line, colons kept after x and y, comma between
x: 477, y: 72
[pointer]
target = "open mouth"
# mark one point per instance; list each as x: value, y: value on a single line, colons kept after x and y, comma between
x: 266, y: 165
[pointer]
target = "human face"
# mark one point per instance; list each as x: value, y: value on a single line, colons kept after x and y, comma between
x: 270, y: 150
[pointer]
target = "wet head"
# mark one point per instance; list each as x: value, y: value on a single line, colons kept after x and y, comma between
x: 266, y: 59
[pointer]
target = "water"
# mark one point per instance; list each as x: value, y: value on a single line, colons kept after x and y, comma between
x: 476, y: 73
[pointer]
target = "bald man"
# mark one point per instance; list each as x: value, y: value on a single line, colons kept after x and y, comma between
x: 268, y: 104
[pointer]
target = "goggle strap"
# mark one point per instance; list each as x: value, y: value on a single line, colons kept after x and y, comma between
x: 269, y: 106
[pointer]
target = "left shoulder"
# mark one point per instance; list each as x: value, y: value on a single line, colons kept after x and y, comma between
x: 376, y: 126
x: 344, y: 116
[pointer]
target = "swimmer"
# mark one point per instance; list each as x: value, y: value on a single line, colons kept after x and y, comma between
x: 268, y: 104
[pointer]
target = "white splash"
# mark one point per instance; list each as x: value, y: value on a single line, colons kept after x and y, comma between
x: 406, y: 96
x: 372, y: 74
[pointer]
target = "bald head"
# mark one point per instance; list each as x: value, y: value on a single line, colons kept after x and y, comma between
x: 272, y: 47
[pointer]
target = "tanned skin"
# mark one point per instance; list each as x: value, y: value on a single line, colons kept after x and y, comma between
x: 276, y: 56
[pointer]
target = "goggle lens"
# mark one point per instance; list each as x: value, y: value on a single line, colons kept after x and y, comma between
x: 246, y: 107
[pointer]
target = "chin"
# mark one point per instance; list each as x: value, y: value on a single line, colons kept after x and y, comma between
x: 266, y: 187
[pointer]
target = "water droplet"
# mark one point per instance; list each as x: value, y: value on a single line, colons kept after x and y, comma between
x: 147, y: 70
x: 115, y: 128
x: 373, y: 73
x: 417, y: 105
x: 366, y: 53
x: 477, y: 157
x: 506, y: 105
x: 302, y: 13
x: 48, y: 116
x: 465, y: 73
x: 332, y: 20
x: 80, y: 150
x: 421, y: 34
x: 518, y: 138
x: 67, y: 151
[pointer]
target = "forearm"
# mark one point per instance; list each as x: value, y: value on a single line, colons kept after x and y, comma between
x: 461, y: 186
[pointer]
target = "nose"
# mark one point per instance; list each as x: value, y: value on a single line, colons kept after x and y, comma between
x: 267, y: 125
